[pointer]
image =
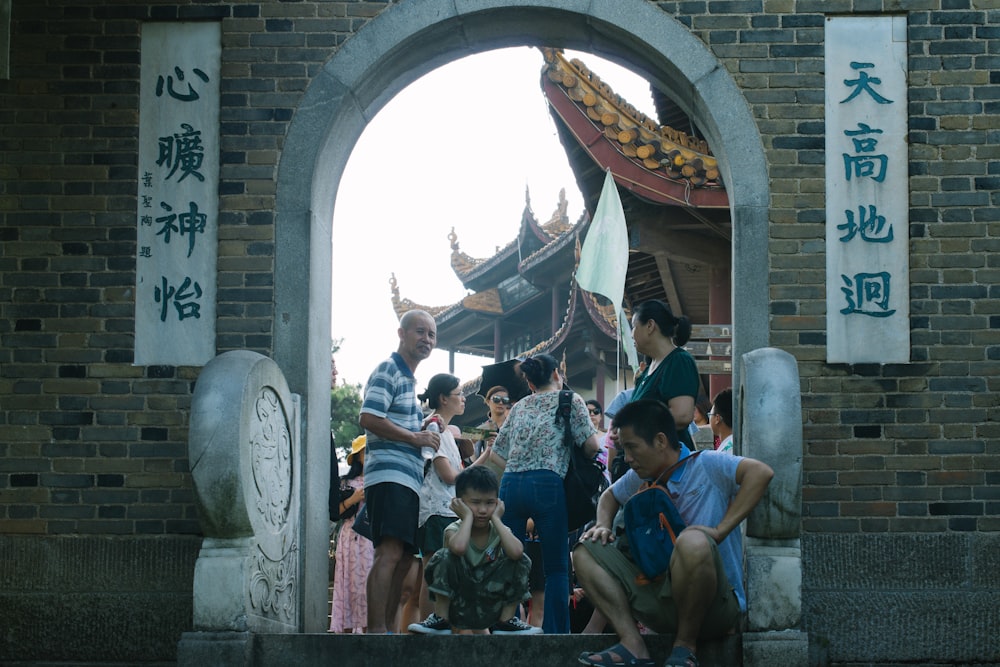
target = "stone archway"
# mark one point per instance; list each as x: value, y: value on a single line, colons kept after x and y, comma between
x: 397, y: 47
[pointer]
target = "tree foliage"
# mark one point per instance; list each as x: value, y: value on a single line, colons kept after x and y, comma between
x: 345, y: 406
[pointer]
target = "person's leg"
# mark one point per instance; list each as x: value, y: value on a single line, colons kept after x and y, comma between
x: 383, y: 601
x: 596, y: 624
x: 550, y: 523
x: 409, y: 597
x: 536, y: 583
x: 536, y: 610
x: 608, y: 597
x: 517, y: 504
x: 693, y: 584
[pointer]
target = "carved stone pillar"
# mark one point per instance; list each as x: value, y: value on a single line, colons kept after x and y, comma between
x: 244, y: 452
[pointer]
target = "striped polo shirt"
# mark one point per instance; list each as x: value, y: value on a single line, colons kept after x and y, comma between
x: 391, y: 393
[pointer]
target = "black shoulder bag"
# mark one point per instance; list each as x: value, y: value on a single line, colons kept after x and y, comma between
x: 584, y: 481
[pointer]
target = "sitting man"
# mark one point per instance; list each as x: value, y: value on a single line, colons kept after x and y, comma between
x: 701, y: 594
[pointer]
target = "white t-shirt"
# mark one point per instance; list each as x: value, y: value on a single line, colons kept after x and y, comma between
x: 435, y: 495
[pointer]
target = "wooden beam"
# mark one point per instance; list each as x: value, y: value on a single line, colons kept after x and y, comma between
x: 656, y: 238
x: 666, y: 275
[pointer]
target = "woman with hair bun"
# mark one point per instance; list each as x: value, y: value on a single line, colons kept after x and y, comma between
x: 671, y: 376
x: 532, y: 449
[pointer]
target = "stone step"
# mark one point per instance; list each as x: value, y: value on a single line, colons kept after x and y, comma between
x: 265, y: 650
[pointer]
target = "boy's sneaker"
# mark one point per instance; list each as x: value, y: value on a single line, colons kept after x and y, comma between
x: 514, y: 626
x: 432, y: 625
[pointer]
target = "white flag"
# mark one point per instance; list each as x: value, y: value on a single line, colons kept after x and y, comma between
x: 604, y: 259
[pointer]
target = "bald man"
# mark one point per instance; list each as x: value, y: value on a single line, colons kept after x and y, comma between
x: 394, y: 465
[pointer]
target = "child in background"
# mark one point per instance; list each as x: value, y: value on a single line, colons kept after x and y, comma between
x: 480, y: 576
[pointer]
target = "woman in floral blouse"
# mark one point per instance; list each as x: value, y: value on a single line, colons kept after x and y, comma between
x: 531, y: 447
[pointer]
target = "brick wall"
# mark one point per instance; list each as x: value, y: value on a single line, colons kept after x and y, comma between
x: 90, y: 444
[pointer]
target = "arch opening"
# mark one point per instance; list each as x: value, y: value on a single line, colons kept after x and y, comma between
x: 397, y: 47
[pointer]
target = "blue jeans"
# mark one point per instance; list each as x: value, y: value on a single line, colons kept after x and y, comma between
x: 539, y: 495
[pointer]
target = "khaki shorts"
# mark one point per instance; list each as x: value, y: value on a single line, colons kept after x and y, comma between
x: 652, y: 602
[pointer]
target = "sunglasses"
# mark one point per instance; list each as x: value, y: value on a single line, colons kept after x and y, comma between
x: 594, y: 412
x: 504, y: 400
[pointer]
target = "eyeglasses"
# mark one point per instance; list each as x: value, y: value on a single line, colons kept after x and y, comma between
x: 505, y: 400
x: 711, y: 414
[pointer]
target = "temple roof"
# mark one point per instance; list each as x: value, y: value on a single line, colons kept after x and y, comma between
x: 509, y: 280
x: 678, y: 219
x: 480, y: 273
x: 524, y: 299
x: 661, y: 164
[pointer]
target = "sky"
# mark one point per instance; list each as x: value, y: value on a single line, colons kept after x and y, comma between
x: 455, y: 149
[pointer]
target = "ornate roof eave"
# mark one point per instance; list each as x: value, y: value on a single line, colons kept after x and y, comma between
x: 655, y: 162
x: 602, y: 315
x: 487, y: 302
x: 571, y: 235
x: 401, y: 306
x: 532, y: 236
x: 468, y: 268
x: 559, y: 223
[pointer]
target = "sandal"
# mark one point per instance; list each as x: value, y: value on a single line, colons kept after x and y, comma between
x: 616, y: 656
x: 681, y: 656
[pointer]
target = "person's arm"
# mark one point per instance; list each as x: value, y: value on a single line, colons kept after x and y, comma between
x: 494, y: 459
x: 485, y: 456
x: 753, y: 476
x: 591, y: 446
x: 602, y: 530
x: 682, y: 410
x: 512, y: 546
x: 352, y: 500
x: 386, y: 429
x: 444, y: 469
x: 458, y: 543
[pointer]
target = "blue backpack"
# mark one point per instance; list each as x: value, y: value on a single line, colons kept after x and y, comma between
x: 652, y: 524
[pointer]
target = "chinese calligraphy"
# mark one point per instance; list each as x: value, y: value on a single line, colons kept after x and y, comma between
x: 866, y: 186
x: 182, y: 151
x: 181, y: 298
x: 868, y: 294
x: 191, y: 94
x: 189, y: 224
x: 872, y: 227
x: 862, y: 84
x: 177, y: 206
x: 873, y: 166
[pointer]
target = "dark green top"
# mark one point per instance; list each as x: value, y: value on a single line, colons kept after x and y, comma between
x: 676, y: 375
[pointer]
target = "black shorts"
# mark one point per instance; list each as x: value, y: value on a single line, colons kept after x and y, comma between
x: 393, y: 510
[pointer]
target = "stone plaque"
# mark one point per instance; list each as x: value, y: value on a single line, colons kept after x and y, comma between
x: 867, y: 224
x: 178, y: 198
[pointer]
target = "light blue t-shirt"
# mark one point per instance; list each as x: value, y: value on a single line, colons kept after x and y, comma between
x: 702, y: 490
